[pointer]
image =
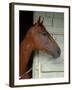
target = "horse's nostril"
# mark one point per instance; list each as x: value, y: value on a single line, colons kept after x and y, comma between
x: 58, y: 52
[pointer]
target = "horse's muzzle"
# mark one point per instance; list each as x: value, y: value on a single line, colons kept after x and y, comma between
x: 57, y: 53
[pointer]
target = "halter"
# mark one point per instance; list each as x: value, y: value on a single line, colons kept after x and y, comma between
x: 28, y: 71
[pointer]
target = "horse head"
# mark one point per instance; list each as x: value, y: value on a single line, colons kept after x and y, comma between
x: 42, y: 40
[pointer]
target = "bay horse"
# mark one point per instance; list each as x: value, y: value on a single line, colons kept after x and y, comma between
x: 37, y: 38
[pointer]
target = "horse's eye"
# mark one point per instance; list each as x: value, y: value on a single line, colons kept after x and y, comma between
x: 44, y: 33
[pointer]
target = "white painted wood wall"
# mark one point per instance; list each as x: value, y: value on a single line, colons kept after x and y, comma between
x: 44, y: 65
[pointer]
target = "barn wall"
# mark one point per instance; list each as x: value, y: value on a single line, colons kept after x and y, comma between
x: 44, y: 65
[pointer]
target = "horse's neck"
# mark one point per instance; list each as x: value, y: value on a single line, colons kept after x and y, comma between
x: 25, y: 52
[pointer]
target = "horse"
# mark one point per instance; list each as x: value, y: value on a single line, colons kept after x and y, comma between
x: 36, y: 39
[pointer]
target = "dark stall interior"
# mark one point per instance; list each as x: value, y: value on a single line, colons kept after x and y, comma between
x: 25, y: 22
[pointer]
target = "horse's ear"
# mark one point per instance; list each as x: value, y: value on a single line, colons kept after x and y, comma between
x: 42, y: 21
x: 39, y: 19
